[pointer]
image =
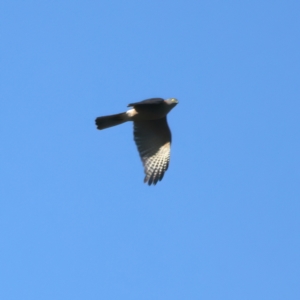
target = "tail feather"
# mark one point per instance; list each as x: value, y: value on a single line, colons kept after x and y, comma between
x: 109, y: 121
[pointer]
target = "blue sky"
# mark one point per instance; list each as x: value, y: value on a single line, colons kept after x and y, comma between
x: 76, y: 220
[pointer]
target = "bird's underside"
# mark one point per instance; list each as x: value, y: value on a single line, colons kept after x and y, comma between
x: 151, y: 134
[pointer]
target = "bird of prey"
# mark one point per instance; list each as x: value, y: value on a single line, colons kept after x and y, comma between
x: 151, y: 133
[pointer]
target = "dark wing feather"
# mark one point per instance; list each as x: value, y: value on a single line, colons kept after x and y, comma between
x: 153, y: 140
x: 150, y: 101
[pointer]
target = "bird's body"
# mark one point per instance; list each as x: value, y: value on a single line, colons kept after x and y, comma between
x: 151, y: 133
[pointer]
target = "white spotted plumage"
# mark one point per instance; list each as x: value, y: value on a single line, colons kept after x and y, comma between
x: 153, y: 140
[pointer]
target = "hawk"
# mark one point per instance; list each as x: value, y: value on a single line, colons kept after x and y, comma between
x: 151, y: 133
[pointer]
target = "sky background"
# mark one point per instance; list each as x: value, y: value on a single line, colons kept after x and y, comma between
x: 76, y: 219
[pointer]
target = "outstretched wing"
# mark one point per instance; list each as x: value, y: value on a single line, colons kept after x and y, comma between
x: 153, y: 140
x: 150, y: 101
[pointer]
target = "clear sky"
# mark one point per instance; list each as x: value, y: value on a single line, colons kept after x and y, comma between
x: 76, y: 219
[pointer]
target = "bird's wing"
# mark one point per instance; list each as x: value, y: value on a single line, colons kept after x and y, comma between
x: 153, y: 140
x: 150, y: 101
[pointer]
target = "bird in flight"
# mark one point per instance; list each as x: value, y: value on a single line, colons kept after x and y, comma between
x: 152, y: 134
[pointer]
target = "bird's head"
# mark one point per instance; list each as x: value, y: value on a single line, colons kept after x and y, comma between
x: 172, y: 101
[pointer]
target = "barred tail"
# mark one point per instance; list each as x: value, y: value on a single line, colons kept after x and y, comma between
x: 112, y: 120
